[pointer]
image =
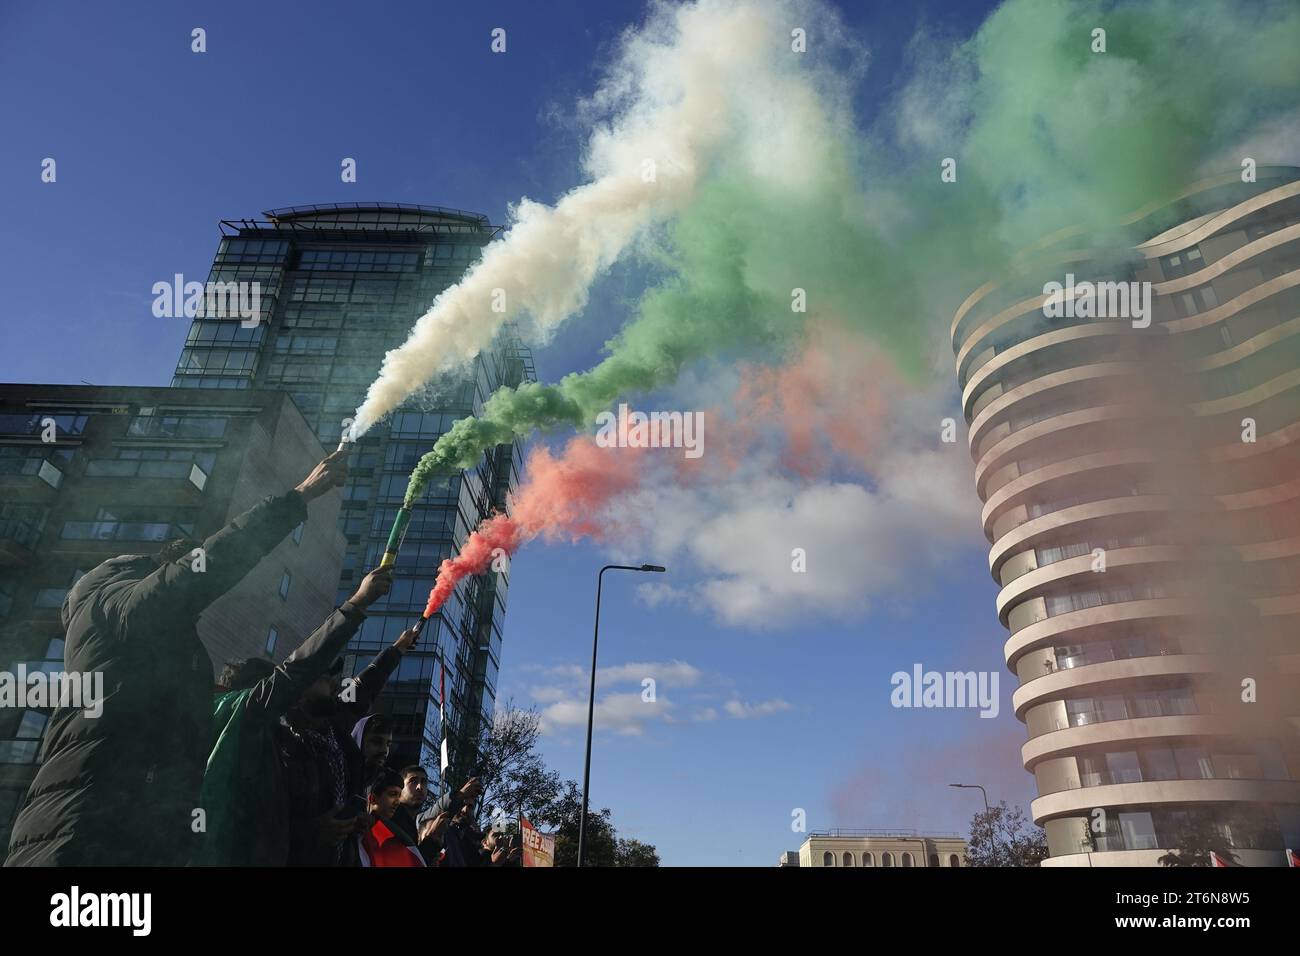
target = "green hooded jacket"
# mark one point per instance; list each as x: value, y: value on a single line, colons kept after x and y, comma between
x: 245, y: 799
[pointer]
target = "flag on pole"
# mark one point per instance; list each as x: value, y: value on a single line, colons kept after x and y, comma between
x: 442, y: 710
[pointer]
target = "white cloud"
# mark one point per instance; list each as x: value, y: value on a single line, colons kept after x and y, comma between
x: 859, y: 543
x: 729, y: 544
x: 563, y: 699
x: 622, y: 713
x: 742, y: 710
x: 548, y: 694
x: 674, y: 673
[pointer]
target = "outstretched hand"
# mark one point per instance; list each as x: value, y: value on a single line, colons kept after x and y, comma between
x: 406, y: 640
x: 373, y: 586
x: 330, y: 473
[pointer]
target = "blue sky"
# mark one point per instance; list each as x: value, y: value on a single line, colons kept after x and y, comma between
x: 155, y: 144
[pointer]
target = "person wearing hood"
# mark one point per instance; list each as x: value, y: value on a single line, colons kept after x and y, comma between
x: 244, y: 798
x: 373, y: 736
x: 323, y: 762
x: 120, y: 788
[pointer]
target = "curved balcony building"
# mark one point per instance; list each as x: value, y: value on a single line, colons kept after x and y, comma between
x: 1141, y: 484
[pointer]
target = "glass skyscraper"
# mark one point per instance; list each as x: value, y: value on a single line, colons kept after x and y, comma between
x: 341, y: 284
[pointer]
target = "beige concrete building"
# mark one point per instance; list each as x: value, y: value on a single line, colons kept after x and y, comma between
x: 905, y: 848
x: 1141, y: 486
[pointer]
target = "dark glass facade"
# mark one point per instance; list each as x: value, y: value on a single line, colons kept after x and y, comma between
x: 339, y: 286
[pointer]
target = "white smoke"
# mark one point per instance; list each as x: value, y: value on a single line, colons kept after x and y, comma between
x: 694, y: 82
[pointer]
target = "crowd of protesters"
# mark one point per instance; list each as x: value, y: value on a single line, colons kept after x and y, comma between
x: 266, y: 765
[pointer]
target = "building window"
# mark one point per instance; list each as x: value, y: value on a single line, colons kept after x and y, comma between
x: 285, y: 580
x: 176, y: 426
x: 828, y: 858
x: 886, y: 859
x: 32, y: 724
x: 953, y: 860
x: 297, y: 534
x: 868, y: 860
x: 24, y: 746
x: 1196, y: 301
x: 48, y: 598
x: 1181, y: 263
x: 848, y: 858
x: 1193, y: 763
x: 934, y: 859
x: 1138, y: 831
x: 272, y: 636
x: 907, y: 859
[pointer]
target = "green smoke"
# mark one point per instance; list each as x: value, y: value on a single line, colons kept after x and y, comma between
x: 1046, y: 134
x: 1060, y: 135
x: 734, y: 260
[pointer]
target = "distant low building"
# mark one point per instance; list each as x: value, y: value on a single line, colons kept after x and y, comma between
x: 906, y: 848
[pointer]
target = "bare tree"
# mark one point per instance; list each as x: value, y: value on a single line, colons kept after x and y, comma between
x: 515, y: 780
x: 1003, y: 836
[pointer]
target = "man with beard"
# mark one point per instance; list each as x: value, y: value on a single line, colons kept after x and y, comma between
x: 374, y: 736
x: 415, y: 789
x: 324, y: 766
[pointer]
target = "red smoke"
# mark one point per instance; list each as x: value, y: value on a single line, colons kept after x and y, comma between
x: 498, y: 531
x: 828, y: 402
x: 561, y: 498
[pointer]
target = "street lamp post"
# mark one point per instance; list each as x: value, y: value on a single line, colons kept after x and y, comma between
x: 591, y: 702
x: 987, y: 812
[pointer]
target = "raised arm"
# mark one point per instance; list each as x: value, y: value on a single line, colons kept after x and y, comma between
x: 273, y: 696
x: 371, y: 681
x: 184, y: 588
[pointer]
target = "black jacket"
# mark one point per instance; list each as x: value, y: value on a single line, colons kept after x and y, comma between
x: 308, y: 778
x: 460, y: 846
x: 244, y: 792
x: 121, y: 789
